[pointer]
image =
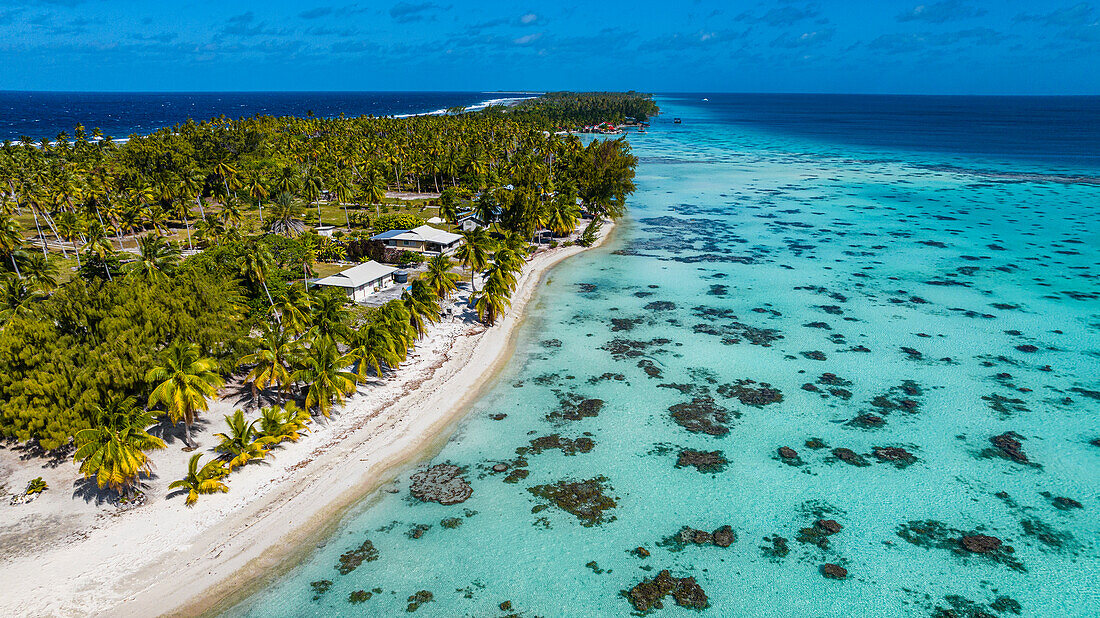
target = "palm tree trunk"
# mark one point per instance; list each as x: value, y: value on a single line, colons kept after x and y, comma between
x: 260, y: 205
x: 14, y: 265
x: 187, y: 435
x: 187, y: 224
x: 39, y: 228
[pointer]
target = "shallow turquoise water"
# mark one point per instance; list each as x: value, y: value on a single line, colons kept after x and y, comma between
x: 778, y: 260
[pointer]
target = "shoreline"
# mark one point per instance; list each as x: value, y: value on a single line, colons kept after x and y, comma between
x: 226, y: 548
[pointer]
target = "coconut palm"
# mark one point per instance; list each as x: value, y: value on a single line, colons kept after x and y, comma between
x: 256, y: 263
x: 284, y: 423
x: 205, y: 480
x: 422, y: 305
x: 493, y: 299
x: 185, y: 382
x: 17, y: 298
x: 373, y: 347
x: 157, y: 260
x: 40, y: 273
x: 439, y: 278
x: 330, y: 316
x: 275, y: 353
x: 11, y: 240
x: 113, y: 449
x: 286, y: 216
x: 295, y: 310
x: 323, y: 372
x: 257, y: 190
x: 243, y: 443
x: 474, y: 251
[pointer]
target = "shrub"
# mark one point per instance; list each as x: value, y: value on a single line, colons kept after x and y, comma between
x: 396, y: 221
x: 407, y: 258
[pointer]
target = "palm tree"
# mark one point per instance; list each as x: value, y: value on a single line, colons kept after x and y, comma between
x: 16, y: 297
x: 563, y: 217
x: 71, y: 227
x: 158, y: 258
x: 286, y: 216
x: 322, y: 371
x: 474, y: 251
x: 422, y: 305
x: 493, y: 299
x: 439, y: 278
x: 448, y: 206
x: 254, y: 185
x: 11, y: 240
x: 295, y: 310
x: 185, y: 384
x: 40, y: 273
x: 113, y: 449
x: 274, y: 356
x: 255, y: 265
x: 372, y: 347
x: 330, y: 316
x: 243, y: 443
x: 284, y: 423
x: 206, y: 480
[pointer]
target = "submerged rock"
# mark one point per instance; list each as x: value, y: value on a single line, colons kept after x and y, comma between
x: 649, y: 593
x: 566, y: 445
x: 980, y: 543
x: 586, y: 500
x: 703, y: 461
x: 351, y: 559
x: 833, y: 571
x: 895, y: 455
x: 1008, y: 444
x: 777, y: 547
x: 416, y: 600
x: 787, y: 452
x: 1065, y: 504
x: 757, y: 396
x: 442, y: 483
x: 850, y: 457
x: 701, y: 415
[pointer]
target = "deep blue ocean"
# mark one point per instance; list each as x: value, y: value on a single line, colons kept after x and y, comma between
x: 119, y: 114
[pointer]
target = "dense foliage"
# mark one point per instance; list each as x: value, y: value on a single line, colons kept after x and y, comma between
x: 575, y: 109
x: 143, y: 331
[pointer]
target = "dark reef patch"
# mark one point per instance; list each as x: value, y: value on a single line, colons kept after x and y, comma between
x: 442, y: 483
x: 554, y: 441
x: 351, y: 559
x: 936, y: 535
x: 702, y: 415
x: 586, y: 500
x: 703, y: 461
x: 648, y: 594
x: 758, y: 396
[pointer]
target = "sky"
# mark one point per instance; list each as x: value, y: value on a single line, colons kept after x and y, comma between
x: 884, y: 46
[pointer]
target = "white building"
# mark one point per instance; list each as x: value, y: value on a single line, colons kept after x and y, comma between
x: 362, y: 280
x: 424, y: 239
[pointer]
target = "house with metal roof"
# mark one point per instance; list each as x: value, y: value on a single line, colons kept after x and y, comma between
x: 361, y: 280
x: 424, y: 239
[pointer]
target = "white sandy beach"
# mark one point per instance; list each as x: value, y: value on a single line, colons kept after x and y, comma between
x: 63, y: 555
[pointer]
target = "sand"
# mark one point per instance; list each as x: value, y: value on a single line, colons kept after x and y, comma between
x: 69, y: 554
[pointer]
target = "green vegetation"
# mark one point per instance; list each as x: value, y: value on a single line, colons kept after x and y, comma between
x: 136, y: 277
x: 577, y: 109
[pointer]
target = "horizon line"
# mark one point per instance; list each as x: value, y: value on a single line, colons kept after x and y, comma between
x: 538, y: 92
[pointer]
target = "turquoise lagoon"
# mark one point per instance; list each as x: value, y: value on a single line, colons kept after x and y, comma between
x: 902, y: 299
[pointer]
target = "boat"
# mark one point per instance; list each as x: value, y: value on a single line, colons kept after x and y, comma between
x: 705, y: 99
x: 676, y: 121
